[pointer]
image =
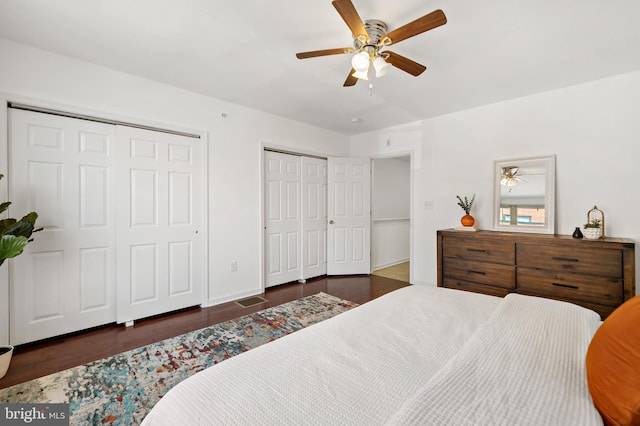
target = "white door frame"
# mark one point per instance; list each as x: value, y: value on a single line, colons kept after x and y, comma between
x: 411, y: 155
x: 75, y: 110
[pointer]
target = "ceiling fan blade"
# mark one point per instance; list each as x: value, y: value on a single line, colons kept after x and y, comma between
x: 351, y: 80
x: 325, y: 52
x: 420, y: 25
x: 349, y: 14
x: 405, y: 64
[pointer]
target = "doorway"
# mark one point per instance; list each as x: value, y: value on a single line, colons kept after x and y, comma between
x: 391, y: 217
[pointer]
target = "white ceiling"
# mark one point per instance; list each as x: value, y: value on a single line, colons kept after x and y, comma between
x: 244, y: 52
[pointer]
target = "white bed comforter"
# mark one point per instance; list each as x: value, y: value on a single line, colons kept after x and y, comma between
x: 525, y: 366
x: 419, y: 355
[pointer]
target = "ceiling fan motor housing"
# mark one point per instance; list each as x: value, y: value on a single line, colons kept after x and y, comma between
x: 376, y: 30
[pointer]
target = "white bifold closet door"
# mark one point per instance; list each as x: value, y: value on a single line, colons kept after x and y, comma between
x: 295, y: 217
x: 159, y: 221
x: 62, y: 168
x: 121, y: 211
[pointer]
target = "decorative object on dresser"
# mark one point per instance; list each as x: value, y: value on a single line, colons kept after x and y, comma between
x: 599, y: 275
x: 577, y: 233
x: 468, y: 222
x: 594, y: 228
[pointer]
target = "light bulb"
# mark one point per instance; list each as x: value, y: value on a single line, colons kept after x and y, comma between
x: 381, y: 66
x: 360, y: 62
x: 362, y: 75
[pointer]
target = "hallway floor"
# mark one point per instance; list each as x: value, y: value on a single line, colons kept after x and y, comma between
x: 398, y: 272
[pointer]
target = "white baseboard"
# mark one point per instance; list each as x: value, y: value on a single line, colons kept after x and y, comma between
x: 386, y: 265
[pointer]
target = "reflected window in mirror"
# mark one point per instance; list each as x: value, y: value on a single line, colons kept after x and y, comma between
x: 524, y: 195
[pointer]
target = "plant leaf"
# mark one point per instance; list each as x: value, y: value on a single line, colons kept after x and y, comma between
x: 11, y: 246
x: 4, y: 206
x: 22, y: 229
x: 6, y: 225
x: 31, y: 218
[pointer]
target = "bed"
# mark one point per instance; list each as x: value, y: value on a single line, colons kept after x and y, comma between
x: 418, y: 355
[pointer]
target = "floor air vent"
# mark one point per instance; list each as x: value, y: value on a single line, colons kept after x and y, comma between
x: 251, y: 301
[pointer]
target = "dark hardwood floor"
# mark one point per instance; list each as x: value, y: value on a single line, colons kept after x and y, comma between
x: 43, y: 358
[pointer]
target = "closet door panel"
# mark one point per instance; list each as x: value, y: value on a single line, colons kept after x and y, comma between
x: 159, y: 223
x: 61, y: 168
x: 349, y: 214
x: 282, y: 218
x: 314, y: 217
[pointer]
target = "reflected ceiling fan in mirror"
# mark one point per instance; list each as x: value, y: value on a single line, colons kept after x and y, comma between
x: 509, y: 176
x: 370, y: 40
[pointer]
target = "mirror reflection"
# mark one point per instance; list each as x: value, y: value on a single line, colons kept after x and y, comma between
x: 524, y: 195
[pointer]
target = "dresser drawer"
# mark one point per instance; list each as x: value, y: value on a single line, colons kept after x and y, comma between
x: 583, y: 260
x: 475, y: 287
x: 482, y: 250
x: 570, y: 286
x: 481, y: 272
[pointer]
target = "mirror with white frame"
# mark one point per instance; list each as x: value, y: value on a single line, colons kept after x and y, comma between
x: 524, y: 195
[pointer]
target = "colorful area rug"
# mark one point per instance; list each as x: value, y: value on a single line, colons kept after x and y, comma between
x: 120, y: 390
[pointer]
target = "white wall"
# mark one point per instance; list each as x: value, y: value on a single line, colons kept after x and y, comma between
x: 593, y: 129
x: 390, y: 189
x: 234, y: 156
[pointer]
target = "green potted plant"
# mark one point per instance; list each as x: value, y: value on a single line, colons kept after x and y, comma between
x: 593, y: 229
x: 14, y: 236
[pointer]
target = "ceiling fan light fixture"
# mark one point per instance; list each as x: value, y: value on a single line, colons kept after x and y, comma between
x: 360, y: 62
x: 362, y: 75
x: 508, y: 176
x: 381, y: 66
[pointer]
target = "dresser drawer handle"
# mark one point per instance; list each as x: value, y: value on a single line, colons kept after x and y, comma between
x: 476, y: 250
x: 471, y: 271
x: 574, y: 287
x: 564, y: 259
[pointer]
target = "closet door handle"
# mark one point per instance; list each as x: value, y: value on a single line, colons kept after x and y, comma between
x: 331, y: 222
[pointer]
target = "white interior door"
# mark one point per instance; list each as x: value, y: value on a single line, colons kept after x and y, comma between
x: 282, y: 218
x: 314, y: 217
x: 349, y: 214
x: 159, y: 223
x: 63, y: 169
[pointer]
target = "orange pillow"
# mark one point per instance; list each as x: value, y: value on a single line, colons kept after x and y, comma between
x: 613, y: 366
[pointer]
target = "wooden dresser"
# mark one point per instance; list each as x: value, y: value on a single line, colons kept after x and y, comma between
x: 597, y: 274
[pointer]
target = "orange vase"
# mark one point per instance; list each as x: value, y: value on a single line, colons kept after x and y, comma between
x: 467, y: 220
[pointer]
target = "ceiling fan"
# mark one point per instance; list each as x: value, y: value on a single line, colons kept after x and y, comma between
x: 370, y: 40
x: 509, y: 176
